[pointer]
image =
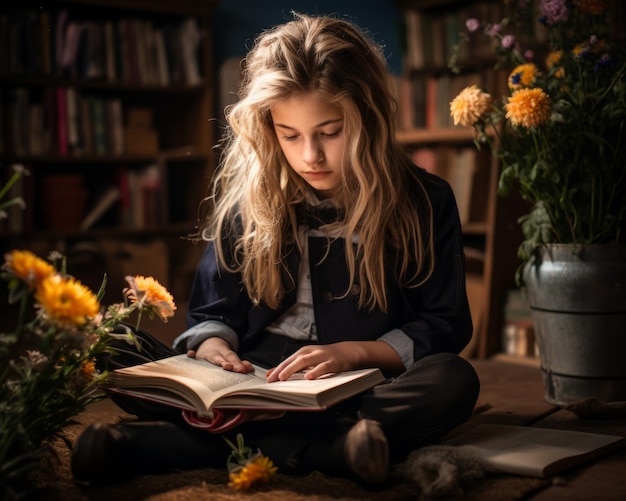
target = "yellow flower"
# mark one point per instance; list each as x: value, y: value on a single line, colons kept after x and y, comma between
x: 27, y: 266
x: 66, y: 301
x: 148, y: 292
x: 523, y: 76
x: 469, y: 106
x: 259, y: 470
x: 528, y: 107
x: 593, y: 7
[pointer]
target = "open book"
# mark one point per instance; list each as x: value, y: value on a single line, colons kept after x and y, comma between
x: 216, y: 400
x: 536, y: 452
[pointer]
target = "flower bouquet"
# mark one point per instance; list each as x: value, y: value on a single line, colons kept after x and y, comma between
x: 48, y: 368
x: 560, y: 132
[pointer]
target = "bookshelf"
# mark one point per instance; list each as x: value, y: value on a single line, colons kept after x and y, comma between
x: 108, y: 104
x: 425, y: 89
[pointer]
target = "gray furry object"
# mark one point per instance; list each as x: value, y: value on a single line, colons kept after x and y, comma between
x: 439, y: 470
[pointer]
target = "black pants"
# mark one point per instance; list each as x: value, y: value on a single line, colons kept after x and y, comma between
x: 415, y: 408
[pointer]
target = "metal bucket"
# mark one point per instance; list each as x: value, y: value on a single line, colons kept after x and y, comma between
x: 577, y: 296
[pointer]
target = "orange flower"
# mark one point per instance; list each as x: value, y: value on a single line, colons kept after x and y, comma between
x: 470, y: 106
x: 27, y: 266
x: 150, y: 294
x: 259, y: 470
x: 66, y: 301
x: 528, y: 107
x: 553, y: 59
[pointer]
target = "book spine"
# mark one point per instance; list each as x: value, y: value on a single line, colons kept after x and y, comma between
x: 61, y: 128
x: 110, y: 52
x: 45, y: 34
x: 98, y: 114
x: 73, y: 140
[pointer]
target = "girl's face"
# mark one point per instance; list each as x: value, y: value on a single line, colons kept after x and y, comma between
x: 310, y: 133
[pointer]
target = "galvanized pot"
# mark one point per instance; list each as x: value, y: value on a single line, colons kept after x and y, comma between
x: 577, y: 296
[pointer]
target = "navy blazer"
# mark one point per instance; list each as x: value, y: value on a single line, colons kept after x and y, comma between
x: 434, y: 315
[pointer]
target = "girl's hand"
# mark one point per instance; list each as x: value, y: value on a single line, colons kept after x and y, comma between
x: 320, y: 359
x: 218, y: 352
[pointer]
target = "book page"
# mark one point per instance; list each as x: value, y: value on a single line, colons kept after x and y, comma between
x: 213, y: 377
x: 301, y: 392
x: 197, y: 382
x: 539, y: 452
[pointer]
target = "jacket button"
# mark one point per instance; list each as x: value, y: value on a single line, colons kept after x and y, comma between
x: 355, y: 290
x: 329, y: 297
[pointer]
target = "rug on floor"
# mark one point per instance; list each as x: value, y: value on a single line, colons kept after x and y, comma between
x: 53, y: 481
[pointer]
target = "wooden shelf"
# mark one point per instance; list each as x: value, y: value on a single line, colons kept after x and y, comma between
x: 430, y: 136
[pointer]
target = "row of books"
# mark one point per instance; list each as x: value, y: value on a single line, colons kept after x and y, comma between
x: 433, y: 36
x: 466, y: 169
x: 135, y: 198
x: 70, y: 122
x: 424, y: 99
x: 64, y: 121
x: 130, y: 50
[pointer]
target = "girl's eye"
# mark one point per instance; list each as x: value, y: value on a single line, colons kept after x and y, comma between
x: 290, y: 138
x: 331, y: 134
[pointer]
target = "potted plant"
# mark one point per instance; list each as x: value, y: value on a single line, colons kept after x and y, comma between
x: 560, y: 134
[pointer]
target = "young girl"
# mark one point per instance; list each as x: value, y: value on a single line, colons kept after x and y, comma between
x: 328, y: 250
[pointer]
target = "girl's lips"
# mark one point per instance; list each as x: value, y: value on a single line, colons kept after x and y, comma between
x: 316, y: 174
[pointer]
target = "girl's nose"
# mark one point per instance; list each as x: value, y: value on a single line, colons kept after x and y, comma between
x: 312, y: 153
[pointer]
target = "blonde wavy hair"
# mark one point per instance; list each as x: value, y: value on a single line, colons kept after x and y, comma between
x: 252, y: 208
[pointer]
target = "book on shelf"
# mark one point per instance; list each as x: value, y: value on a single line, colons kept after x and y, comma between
x: 535, y: 452
x: 97, y: 108
x: 101, y: 206
x: 142, y: 195
x: 414, y: 55
x: 115, y: 126
x: 460, y: 170
x: 160, y: 57
x: 73, y: 135
x: 61, y: 126
x: 217, y: 400
x: 189, y: 42
x: 86, y: 124
x: 431, y: 91
x: 110, y: 65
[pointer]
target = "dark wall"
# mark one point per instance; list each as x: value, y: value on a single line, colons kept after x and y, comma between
x: 238, y: 22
